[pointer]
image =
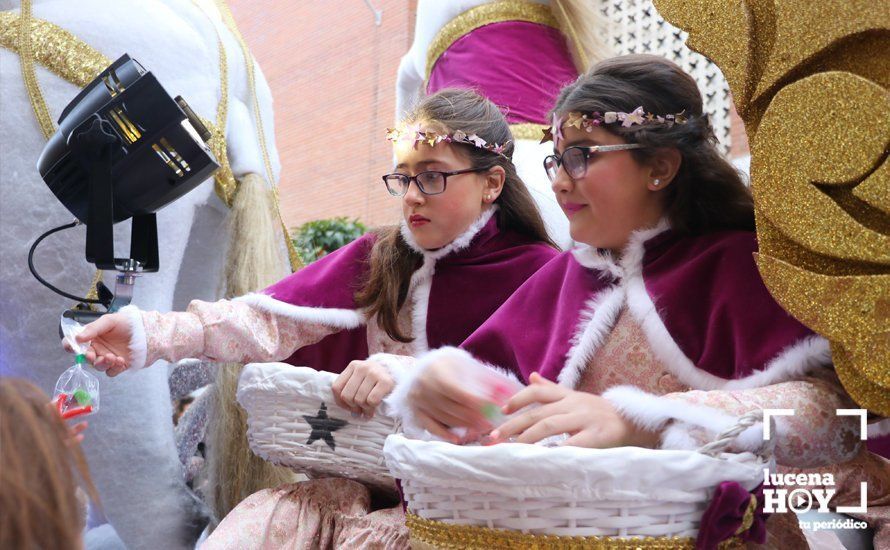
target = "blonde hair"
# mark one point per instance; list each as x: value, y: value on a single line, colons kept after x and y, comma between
x: 584, y: 29
x: 254, y: 262
x: 39, y: 507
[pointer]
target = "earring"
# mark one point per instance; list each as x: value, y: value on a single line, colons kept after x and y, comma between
x: 657, y: 182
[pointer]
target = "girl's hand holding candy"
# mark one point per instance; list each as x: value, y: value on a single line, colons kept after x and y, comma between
x: 440, y: 402
x: 590, y: 420
x: 109, y: 343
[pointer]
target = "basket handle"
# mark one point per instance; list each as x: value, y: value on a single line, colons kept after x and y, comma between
x: 726, y: 437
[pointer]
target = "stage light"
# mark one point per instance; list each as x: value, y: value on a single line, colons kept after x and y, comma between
x: 124, y: 149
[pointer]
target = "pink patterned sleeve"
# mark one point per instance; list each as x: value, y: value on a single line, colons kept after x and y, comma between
x: 226, y: 331
x: 814, y: 436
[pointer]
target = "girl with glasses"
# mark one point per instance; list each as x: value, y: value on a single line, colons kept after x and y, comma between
x: 470, y: 236
x: 657, y: 331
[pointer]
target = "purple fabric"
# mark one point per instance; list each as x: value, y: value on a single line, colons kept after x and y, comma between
x: 468, y: 286
x: 532, y: 331
x: 471, y: 284
x: 880, y: 446
x: 330, y: 282
x: 518, y: 65
x: 706, y: 289
x: 724, y: 516
x: 715, y: 304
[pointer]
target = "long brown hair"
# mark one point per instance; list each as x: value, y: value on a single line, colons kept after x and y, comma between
x: 708, y: 193
x: 38, y: 502
x: 392, y: 261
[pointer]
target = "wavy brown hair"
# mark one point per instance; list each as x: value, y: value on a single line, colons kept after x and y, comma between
x: 39, y: 507
x: 392, y: 261
x: 708, y: 193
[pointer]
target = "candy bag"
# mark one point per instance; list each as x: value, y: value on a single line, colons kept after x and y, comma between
x: 77, y: 391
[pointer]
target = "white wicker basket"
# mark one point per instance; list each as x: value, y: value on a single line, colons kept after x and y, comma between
x: 281, y: 402
x: 574, y: 492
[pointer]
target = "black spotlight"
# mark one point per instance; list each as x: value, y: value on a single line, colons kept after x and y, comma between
x: 124, y: 149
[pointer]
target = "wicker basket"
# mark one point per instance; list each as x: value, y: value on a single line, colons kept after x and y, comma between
x: 514, y: 495
x: 293, y: 421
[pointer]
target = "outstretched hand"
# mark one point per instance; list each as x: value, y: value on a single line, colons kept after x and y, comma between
x: 109, y: 338
x: 590, y: 420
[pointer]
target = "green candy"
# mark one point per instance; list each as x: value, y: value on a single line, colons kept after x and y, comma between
x: 82, y: 397
x: 490, y: 411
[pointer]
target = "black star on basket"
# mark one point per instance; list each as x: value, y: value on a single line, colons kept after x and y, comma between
x: 323, y: 427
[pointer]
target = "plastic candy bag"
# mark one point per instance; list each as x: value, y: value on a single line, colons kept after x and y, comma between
x: 493, y: 387
x: 77, y: 391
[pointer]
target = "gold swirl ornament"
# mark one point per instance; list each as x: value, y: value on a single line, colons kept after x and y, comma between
x: 810, y: 81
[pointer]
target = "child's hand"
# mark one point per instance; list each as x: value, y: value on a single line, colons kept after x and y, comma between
x: 77, y: 433
x: 439, y: 402
x: 590, y: 420
x: 75, y: 430
x: 109, y: 338
x: 362, y: 387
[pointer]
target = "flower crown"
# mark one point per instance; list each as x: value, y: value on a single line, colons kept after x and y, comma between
x: 413, y: 133
x: 587, y: 121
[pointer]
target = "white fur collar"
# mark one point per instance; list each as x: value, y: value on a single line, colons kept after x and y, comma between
x: 631, y: 260
x: 461, y: 242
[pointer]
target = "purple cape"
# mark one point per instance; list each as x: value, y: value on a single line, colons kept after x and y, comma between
x: 467, y: 286
x: 700, y: 301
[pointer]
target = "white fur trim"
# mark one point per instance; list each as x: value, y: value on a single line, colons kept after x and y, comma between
x: 653, y: 412
x: 676, y: 436
x: 597, y: 319
x: 397, y: 365
x: 879, y: 429
x: 631, y: 260
x: 598, y: 260
x: 422, y: 279
x: 792, y: 362
x: 333, y: 317
x: 138, y: 341
x: 462, y: 241
x: 419, y: 290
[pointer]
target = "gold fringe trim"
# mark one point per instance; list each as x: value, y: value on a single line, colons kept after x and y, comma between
x: 229, y: 20
x: 224, y: 183
x: 36, y: 40
x: 528, y: 130
x: 486, y: 14
x: 59, y: 51
x: 428, y: 534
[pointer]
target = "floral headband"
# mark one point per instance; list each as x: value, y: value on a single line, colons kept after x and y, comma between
x: 588, y: 121
x: 413, y: 133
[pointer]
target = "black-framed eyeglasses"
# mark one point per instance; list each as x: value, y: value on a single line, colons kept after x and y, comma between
x: 429, y: 183
x: 575, y: 159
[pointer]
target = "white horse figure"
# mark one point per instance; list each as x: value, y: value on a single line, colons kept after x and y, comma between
x: 191, y: 48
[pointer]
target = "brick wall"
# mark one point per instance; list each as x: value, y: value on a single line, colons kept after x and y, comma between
x: 332, y: 72
x: 739, y: 145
